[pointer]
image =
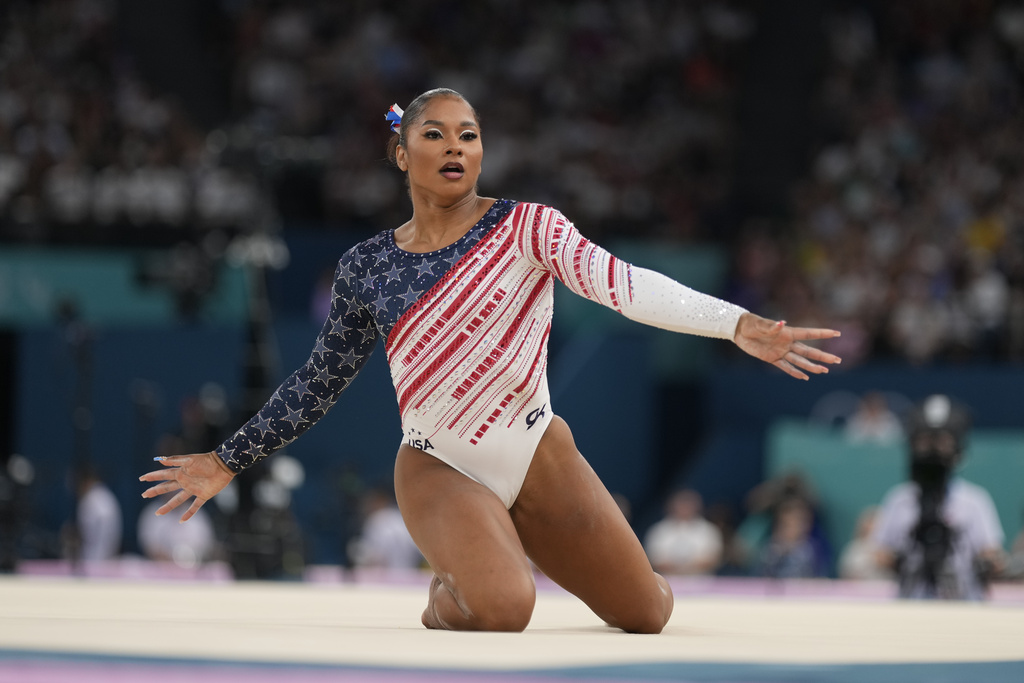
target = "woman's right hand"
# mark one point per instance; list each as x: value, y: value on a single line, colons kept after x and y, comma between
x: 202, y: 475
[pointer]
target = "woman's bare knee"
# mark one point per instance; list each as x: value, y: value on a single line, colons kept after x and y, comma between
x: 508, y: 607
x: 648, y: 616
x: 505, y: 615
x: 500, y: 606
x: 650, y: 621
x: 485, y: 581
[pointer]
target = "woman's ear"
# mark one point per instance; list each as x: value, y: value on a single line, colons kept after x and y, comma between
x: 400, y: 160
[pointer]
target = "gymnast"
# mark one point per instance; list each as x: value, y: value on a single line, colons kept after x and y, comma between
x: 487, y: 476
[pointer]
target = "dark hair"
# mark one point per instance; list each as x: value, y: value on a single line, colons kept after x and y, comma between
x: 414, y: 112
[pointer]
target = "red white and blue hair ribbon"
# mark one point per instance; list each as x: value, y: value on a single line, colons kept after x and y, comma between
x: 394, y: 116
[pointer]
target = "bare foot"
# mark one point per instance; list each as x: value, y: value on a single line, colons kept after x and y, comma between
x: 429, y: 617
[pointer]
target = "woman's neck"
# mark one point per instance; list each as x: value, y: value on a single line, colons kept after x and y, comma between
x: 435, y: 225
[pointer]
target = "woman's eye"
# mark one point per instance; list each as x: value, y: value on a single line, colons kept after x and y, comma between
x: 432, y: 134
x: 469, y: 135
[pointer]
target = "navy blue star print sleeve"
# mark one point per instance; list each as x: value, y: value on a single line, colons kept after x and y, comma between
x: 342, y: 348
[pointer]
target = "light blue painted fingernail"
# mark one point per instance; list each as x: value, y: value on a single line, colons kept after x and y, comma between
x: 159, y: 458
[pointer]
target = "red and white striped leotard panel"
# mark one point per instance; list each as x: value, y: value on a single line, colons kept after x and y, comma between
x: 469, y: 359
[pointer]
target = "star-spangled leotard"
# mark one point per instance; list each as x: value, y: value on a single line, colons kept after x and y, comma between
x: 465, y: 331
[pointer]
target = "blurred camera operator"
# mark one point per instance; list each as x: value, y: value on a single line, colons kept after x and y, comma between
x: 939, y: 533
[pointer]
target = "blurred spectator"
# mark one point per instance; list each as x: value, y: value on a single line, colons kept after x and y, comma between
x: 684, y: 542
x: 873, y: 421
x: 384, y: 541
x: 859, y: 559
x: 767, y: 498
x: 165, y: 539
x: 96, y: 534
x: 771, y: 493
x: 789, y: 552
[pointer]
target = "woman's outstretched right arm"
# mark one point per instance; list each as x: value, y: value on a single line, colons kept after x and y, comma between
x: 343, y: 346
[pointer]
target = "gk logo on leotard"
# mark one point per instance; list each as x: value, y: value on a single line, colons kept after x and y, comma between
x: 534, y: 415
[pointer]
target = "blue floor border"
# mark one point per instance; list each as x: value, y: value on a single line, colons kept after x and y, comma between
x: 728, y: 672
x: 680, y: 671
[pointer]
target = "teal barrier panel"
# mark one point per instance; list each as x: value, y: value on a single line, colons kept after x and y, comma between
x: 105, y: 287
x: 850, y: 477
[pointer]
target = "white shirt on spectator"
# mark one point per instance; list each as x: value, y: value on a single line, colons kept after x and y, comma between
x: 99, y: 523
x: 683, y: 543
x: 164, y: 538
x: 385, y: 542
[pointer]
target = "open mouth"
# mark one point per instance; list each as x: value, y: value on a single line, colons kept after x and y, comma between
x: 452, y: 170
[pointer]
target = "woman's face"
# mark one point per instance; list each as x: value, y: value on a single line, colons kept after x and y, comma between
x: 443, y: 152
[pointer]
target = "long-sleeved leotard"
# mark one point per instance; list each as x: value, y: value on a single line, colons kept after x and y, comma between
x: 465, y: 331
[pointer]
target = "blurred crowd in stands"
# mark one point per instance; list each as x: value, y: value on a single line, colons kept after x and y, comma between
x: 620, y: 114
x: 906, y: 232
x: 89, y: 151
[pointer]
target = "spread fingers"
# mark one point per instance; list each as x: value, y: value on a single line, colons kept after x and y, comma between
x: 180, y: 498
x: 161, y: 489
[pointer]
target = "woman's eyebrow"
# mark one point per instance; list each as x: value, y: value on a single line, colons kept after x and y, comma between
x: 431, y: 122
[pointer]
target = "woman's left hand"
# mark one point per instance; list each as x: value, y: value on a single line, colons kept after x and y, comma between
x: 776, y: 343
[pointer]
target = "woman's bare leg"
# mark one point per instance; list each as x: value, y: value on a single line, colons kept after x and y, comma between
x: 573, y: 530
x: 482, y: 578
